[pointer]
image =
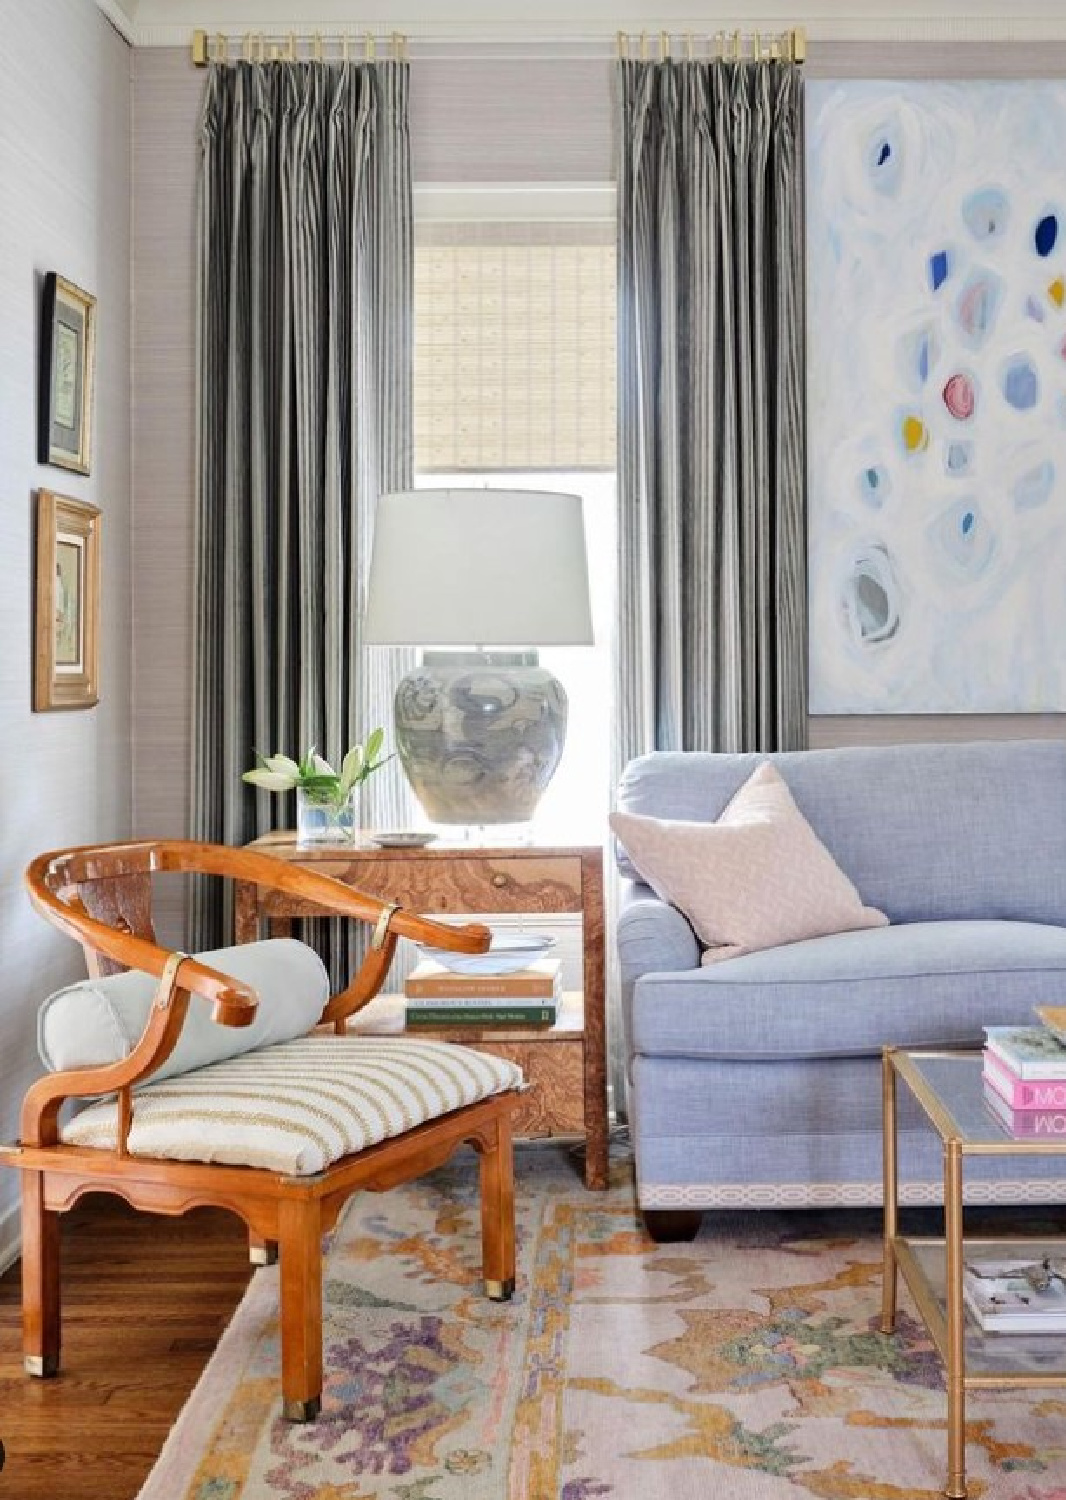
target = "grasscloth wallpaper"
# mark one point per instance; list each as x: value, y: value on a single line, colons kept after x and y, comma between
x: 64, y: 777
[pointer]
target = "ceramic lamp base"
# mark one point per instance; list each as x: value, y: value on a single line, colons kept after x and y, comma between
x: 480, y: 734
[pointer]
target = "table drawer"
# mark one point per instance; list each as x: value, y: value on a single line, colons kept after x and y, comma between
x: 457, y: 885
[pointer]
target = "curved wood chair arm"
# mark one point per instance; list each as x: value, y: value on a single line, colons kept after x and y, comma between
x: 40, y: 1108
x: 53, y: 881
x: 337, y: 898
x: 233, y: 1003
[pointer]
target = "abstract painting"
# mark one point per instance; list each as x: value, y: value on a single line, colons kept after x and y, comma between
x: 937, y: 397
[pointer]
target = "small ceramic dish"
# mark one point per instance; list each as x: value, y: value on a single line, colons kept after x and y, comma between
x: 509, y: 951
x: 401, y: 838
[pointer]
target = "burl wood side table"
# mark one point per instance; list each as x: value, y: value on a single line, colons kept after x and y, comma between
x: 566, y: 1065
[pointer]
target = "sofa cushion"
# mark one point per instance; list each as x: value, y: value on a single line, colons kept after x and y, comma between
x: 926, y: 832
x: 300, y: 1105
x: 756, y: 878
x: 850, y: 994
x: 99, y: 1021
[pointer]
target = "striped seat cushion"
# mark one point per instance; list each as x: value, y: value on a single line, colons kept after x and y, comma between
x: 298, y: 1106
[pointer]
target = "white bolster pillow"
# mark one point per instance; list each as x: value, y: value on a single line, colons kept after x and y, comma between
x: 99, y: 1021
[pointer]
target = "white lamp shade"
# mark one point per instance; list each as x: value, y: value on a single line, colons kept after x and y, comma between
x: 479, y: 567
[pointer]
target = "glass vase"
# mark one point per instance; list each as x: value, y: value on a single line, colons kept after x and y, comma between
x: 324, y: 819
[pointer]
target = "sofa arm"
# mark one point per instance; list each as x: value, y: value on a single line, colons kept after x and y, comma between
x: 653, y: 938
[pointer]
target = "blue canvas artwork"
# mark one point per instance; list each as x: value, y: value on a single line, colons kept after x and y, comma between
x: 936, y: 273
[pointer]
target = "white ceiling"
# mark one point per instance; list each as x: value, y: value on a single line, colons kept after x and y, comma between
x: 171, y: 22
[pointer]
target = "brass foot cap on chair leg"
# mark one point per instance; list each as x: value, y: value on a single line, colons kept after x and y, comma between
x: 499, y: 1291
x: 263, y: 1255
x: 301, y: 1411
x: 44, y: 1366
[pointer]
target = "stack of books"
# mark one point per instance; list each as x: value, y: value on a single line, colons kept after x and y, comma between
x: 436, y: 996
x: 1015, y: 1296
x: 1024, y: 1074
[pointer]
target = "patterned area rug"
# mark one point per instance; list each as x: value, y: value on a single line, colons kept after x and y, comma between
x: 745, y: 1365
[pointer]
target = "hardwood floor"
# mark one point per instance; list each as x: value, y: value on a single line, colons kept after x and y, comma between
x: 145, y: 1300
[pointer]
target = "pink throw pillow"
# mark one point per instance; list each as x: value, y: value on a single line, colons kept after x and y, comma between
x: 757, y: 878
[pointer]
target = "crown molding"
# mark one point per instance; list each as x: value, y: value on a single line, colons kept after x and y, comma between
x: 121, y: 17
x: 486, y: 27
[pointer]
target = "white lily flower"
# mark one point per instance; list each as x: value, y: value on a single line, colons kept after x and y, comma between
x: 283, y: 764
x: 272, y: 781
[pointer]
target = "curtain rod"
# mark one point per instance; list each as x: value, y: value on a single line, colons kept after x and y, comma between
x: 727, y: 46
x: 260, y: 47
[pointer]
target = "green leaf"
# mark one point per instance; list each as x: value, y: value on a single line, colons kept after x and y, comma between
x: 322, y: 783
x: 272, y: 781
x: 307, y: 765
x: 374, y: 742
x: 352, y: 769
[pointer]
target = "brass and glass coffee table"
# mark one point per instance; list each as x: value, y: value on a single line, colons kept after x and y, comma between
x: 949, y: 1090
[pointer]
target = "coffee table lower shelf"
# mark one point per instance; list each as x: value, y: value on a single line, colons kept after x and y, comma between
x: 991, y: 1360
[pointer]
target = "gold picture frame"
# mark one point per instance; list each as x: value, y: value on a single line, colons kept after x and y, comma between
x: 67, y: 615
x: 68, y: 352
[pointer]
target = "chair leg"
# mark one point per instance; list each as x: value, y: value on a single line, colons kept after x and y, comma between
x: 41, y: 1314
x: 261, y: 1252
x: 300, y: 1250
x: 497, y: 1212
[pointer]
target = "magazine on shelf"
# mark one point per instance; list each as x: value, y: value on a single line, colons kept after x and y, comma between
x: 1005, y: 1296
x: 1028, y: 1051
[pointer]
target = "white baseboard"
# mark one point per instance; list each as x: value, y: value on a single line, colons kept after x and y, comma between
x: 10, y: 1237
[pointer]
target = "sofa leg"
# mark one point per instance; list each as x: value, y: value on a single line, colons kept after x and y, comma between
x: 40, y: 1280
x: 300, y: 1253
x: 670, y: 1226
x: 497, y: 1211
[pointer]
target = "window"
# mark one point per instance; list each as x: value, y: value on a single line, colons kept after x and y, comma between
x: 514, y: 386
x: 514, y: 353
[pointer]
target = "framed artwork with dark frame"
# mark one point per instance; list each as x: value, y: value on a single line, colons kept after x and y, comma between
x: 67, y: 611
x: 68, y: 346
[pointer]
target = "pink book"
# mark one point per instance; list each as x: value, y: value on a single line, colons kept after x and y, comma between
x: 1026, y: 1122
x: 1024, y: 1093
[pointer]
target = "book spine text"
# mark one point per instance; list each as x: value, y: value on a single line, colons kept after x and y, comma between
x: 482, y: 1015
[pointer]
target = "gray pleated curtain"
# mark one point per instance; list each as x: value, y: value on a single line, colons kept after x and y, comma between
x: 712, y: 650
x: 304, y: 418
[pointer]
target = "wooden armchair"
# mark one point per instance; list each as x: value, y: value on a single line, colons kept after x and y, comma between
x: 433, y: 1097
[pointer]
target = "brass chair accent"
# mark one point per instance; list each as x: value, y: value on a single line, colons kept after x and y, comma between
x: 101, y: 897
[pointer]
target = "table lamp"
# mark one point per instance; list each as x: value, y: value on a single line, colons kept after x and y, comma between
x: 500, y: 573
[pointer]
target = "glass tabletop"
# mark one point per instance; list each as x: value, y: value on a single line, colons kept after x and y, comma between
x: 951, y: 1091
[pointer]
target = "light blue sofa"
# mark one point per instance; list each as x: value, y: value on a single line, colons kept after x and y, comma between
x: 755, y: 1082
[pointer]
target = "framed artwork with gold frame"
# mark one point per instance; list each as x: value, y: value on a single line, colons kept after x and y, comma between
x: 68, y: 347
x: 67, y: 613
